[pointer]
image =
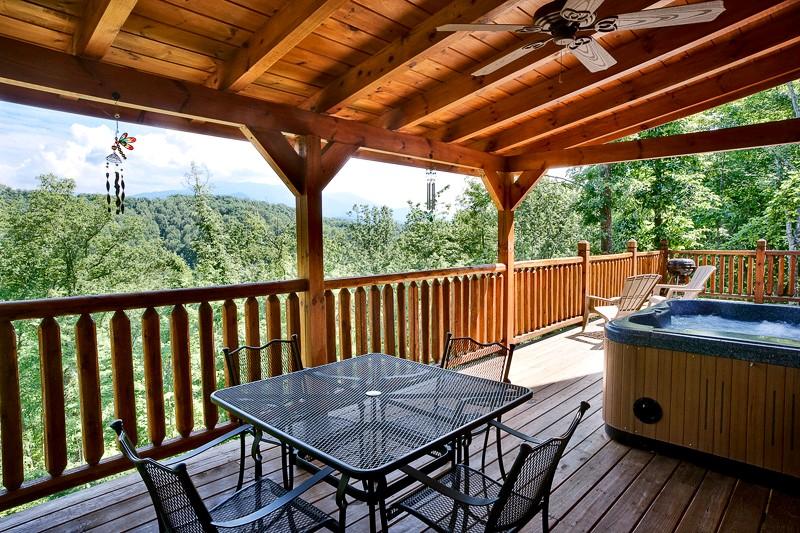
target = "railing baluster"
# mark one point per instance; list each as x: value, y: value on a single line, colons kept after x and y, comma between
x: 293, y: 318
x: 330, y: 326
x: 436, y: 320
x: 413, y: 321
x: 780, y: 259
x: 230, y: 331
x: 274, y: 326
x: 375, y: 319
x: 345, y: 325
x: 153, y: 375
x: 466, y: 298
x: 181, y: 370
x: 10, y: 409
x: 447, y: 324
x: 770, y: 276
x: 491, y: 307
x: 388, y: 319
x: 519, y: 290
x: 501, y: 313
x: 52, y: 372
x: 208, y: 371
x: 122, y: 372
x: 474, y: 308
x: 425, y: 319
x: 457, y: 297
x: 89, y: 386
x: 740, y: 276
x: 793, y: 276
x: 361, y: 321
x: 402, y: 338
x: 252, y: 337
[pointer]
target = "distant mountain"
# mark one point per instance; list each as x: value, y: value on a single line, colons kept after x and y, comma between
x: 334, y: 205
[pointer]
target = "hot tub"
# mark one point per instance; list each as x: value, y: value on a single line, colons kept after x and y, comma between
x: 717, y: 377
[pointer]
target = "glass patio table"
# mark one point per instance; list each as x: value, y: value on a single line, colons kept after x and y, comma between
x: 368, y: 416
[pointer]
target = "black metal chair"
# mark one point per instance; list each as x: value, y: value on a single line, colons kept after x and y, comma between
x: 277, y: 357
x: 464, y: 499
x: 261, y: 506
x: 487, y: 360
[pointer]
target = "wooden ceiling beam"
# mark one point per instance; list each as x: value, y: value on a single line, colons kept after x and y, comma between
x: 776, y: 33
x: 102, y: 21
x: 421, y: 40
x: 462, y: 87
x: 395, y: 159
x: 650, y: 47
x: 739, y: 138
x: 22, y: 64
x: 283, y: 31
x: 495, y: 182
x: 523, y: 185
x: 280, y: 155
x: 742, y: 81
x: 334, y: 157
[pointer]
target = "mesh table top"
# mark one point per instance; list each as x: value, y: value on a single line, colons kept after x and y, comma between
x: 367, y: 415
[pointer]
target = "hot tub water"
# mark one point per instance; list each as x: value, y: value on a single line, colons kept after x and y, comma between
x: 717, y: 324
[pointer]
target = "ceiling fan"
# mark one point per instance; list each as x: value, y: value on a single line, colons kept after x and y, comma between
x: 564, y: 20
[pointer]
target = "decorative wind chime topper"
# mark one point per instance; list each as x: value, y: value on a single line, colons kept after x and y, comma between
x: 116, y: 157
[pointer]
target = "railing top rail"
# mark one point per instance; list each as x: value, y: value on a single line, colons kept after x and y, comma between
x: 783, y: 252
x: 547, y: 262
x: 98, y: 303
x: 648, y: 254
x: 713, y: 252
x: 610, y: 257
x: 360, y: 281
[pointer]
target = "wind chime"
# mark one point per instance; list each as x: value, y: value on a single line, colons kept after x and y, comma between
x: 430, y: 174
x: 117, y: 157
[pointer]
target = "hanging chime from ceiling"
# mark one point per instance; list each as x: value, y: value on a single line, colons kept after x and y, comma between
x: 430, y: 174
x: 116, y: 158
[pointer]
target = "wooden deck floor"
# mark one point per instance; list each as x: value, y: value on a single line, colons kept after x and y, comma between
x: 600, y: 485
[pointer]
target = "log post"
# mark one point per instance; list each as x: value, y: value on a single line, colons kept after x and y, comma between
x: 758, y: 293
x: 632, y: 249
x: 664, y: 256
x: 505, y: 255
x: 585, y: 254
x: 313, y: 322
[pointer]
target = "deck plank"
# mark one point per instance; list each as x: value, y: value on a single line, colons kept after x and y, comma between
x: 600, y: 484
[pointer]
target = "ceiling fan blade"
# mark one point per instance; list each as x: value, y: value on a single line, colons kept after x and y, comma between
x: 508, y: 58
x: 488, y: 27
x: 593, y: 56
x: 659, y: 18
x: 579, y: 10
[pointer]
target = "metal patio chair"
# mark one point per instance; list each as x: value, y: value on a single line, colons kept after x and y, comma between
x: 688, y: 291
x: 635, y: 292
x: 262, y: 506
x: 487, y: 360
x: 464, y: 499
x: 279, y: 356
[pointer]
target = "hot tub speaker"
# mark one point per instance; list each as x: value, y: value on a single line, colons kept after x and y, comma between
x: 647, y: 410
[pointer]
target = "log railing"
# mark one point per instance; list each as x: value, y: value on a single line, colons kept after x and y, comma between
x: 150, y: 359
x: 408, y: 314
x: 760, y: 275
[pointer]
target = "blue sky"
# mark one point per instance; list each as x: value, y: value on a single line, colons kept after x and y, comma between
x: 34, y: 141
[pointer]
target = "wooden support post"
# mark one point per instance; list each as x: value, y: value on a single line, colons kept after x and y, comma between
x: 585, y: 254
x: 664, y: 256
x: 505, y: 255
x: 758, y: 294
x: 632, y: 249
x: 309, y: 255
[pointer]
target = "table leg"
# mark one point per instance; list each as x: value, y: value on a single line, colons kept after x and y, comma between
x: 382, y: 504
x: 256, y: 451
x: 371, y: 504
x: 341, y: 501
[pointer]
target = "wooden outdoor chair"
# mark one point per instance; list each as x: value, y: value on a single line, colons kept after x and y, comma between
x: 465, y: 499
x: 263, y: 506
x: 688, y: 291
x: 635, y: 292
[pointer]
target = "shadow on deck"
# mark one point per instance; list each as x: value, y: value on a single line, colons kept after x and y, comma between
x: 600, y: 484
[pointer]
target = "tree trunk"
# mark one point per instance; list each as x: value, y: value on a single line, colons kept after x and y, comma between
x: 606, y: 226
x: 793, y: 233
x: 793, y: 98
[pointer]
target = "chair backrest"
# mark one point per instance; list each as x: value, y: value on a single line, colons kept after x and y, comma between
x: 636, y: 290
x: 280, y: 356
x: 700, y: 277
x: 487, y: 360
x: 530, y: 480
x: 178, y: 506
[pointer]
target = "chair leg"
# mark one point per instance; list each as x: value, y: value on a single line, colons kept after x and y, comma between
x: 485, y: 446
x: 546, y: 515
x: 585, y: 314
x: 242, y: 447
x: 500, y: 455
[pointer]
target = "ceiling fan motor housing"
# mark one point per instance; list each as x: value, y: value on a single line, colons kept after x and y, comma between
x: 551, y: 20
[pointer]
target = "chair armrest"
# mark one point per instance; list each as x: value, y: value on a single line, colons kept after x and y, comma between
x: 277, y: 503
x: 613, y: 300
x: 450, y: 492
x: 680, y: 290
x: 512, y: 431
x: 660, y: 286
x: 244, y: 428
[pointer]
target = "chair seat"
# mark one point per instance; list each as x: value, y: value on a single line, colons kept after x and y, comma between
x: 442, y: 513
x: 609, y: 312
x: 295, y: 517
x: 656, y: 299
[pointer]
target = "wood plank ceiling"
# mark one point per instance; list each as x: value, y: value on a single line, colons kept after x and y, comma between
x: 382, y: 62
